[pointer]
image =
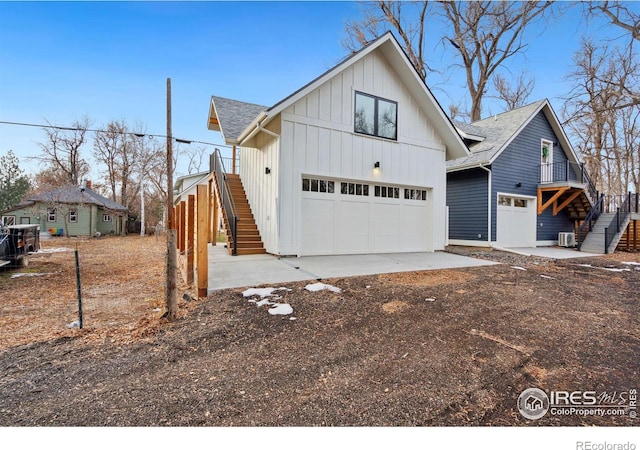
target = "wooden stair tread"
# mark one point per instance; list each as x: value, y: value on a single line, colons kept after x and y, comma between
x: 247, y: 233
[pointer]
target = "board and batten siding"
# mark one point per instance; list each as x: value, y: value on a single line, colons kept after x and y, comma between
x: 467, y: 201
x: 318, y: 139
x: 520, y: 163
x: 262, y: 188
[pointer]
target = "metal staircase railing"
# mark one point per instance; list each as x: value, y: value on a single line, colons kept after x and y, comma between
x: 228, y: 205
x: 629, y: 205
x: 590, y: 220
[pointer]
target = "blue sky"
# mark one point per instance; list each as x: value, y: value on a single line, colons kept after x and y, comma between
x: 61, y: 61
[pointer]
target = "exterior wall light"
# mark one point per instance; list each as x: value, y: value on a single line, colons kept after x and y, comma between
x: 376, y: 165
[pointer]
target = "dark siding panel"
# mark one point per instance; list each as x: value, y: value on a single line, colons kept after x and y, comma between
x: 520, y: 164
x: 467, y: 202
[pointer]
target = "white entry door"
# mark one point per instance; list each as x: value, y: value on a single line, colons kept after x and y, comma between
x: 516, y: 221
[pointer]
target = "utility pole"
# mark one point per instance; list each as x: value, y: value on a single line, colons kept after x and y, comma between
x: 142, y: 218
x: 171, y: 302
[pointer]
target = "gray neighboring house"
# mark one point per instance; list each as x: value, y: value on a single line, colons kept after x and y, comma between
x: 70, y: 211
x: 522, y: 185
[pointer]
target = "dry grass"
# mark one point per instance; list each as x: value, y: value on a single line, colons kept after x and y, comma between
x: 123, y: 290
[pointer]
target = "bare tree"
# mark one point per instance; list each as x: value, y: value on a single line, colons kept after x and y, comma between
x: 61, y: 150
x: 513, y: 97
x: 484, y: 34
x: 107, y: 149
x: 602, y: 123
x: 128, y: 158
x: 619, y: 14
x: 197, y: 156
x: 407, y: 19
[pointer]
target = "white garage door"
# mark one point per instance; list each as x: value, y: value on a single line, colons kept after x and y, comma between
x: 516, y: 221
x: 349, y: 217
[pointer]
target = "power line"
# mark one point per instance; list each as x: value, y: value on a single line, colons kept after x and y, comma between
x: 133, y: 133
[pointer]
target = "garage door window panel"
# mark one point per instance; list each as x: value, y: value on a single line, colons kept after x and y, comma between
x: 318, y: 185
x: 415, y: 194
x: 386, y: 192
x: 354, y: 189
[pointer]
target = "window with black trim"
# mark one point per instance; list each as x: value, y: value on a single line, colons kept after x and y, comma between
x: 318, y: 185
x: 354, y: 189
x: 376, y: 116
x: 386, y: 191
x: 415, y: 194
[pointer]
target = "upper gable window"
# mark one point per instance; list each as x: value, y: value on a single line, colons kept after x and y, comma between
x: 376, y: 116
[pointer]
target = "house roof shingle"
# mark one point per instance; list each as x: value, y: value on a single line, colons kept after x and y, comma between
x: 234, y: 116
x: 248, y: 114
x: 73, y: 194
x: 497, y: 131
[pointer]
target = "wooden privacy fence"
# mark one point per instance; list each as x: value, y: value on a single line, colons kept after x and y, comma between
x: 195, y: 219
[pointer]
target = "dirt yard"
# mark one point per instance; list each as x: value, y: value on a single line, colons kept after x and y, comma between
x: 445, y: 347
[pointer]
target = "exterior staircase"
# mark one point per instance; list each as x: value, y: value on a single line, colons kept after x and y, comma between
x: 248, y: 237
x: 595, y: 240
x: 578, y: 207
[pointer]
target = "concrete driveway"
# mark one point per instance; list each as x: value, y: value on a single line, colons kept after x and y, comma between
x: 253, y: 270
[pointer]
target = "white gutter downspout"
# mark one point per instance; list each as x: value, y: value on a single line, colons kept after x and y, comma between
x: 489, y: 196
x: 269, y: 132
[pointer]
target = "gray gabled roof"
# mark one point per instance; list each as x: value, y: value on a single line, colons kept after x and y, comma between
x: 232, y: 117
x: 74, y: 195
x: 499, y: 130
x: 397, y: 58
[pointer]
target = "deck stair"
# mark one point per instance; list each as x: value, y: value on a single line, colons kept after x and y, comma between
x: 594, y: 242
x: 243, y: 236
x: 248, y: 235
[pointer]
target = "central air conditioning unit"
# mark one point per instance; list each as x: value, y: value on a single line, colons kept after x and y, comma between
x: 566, y: 239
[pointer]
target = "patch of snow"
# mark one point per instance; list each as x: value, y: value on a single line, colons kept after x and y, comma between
x: 17, y: 275
x: 281, y: 309
x: 518, y: 268
x: 263, y: 292
x: 429, y: 299
x: 547, y: 277
x: 263, y: 302
x: 316, y: 287
x: 610, y: 269
x: 631, y: 263
x: 74, y: 324
x: 54, y: 250
x: 292, y: 318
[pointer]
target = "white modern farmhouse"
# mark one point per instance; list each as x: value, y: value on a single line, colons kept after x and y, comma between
x: 352, y: 163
